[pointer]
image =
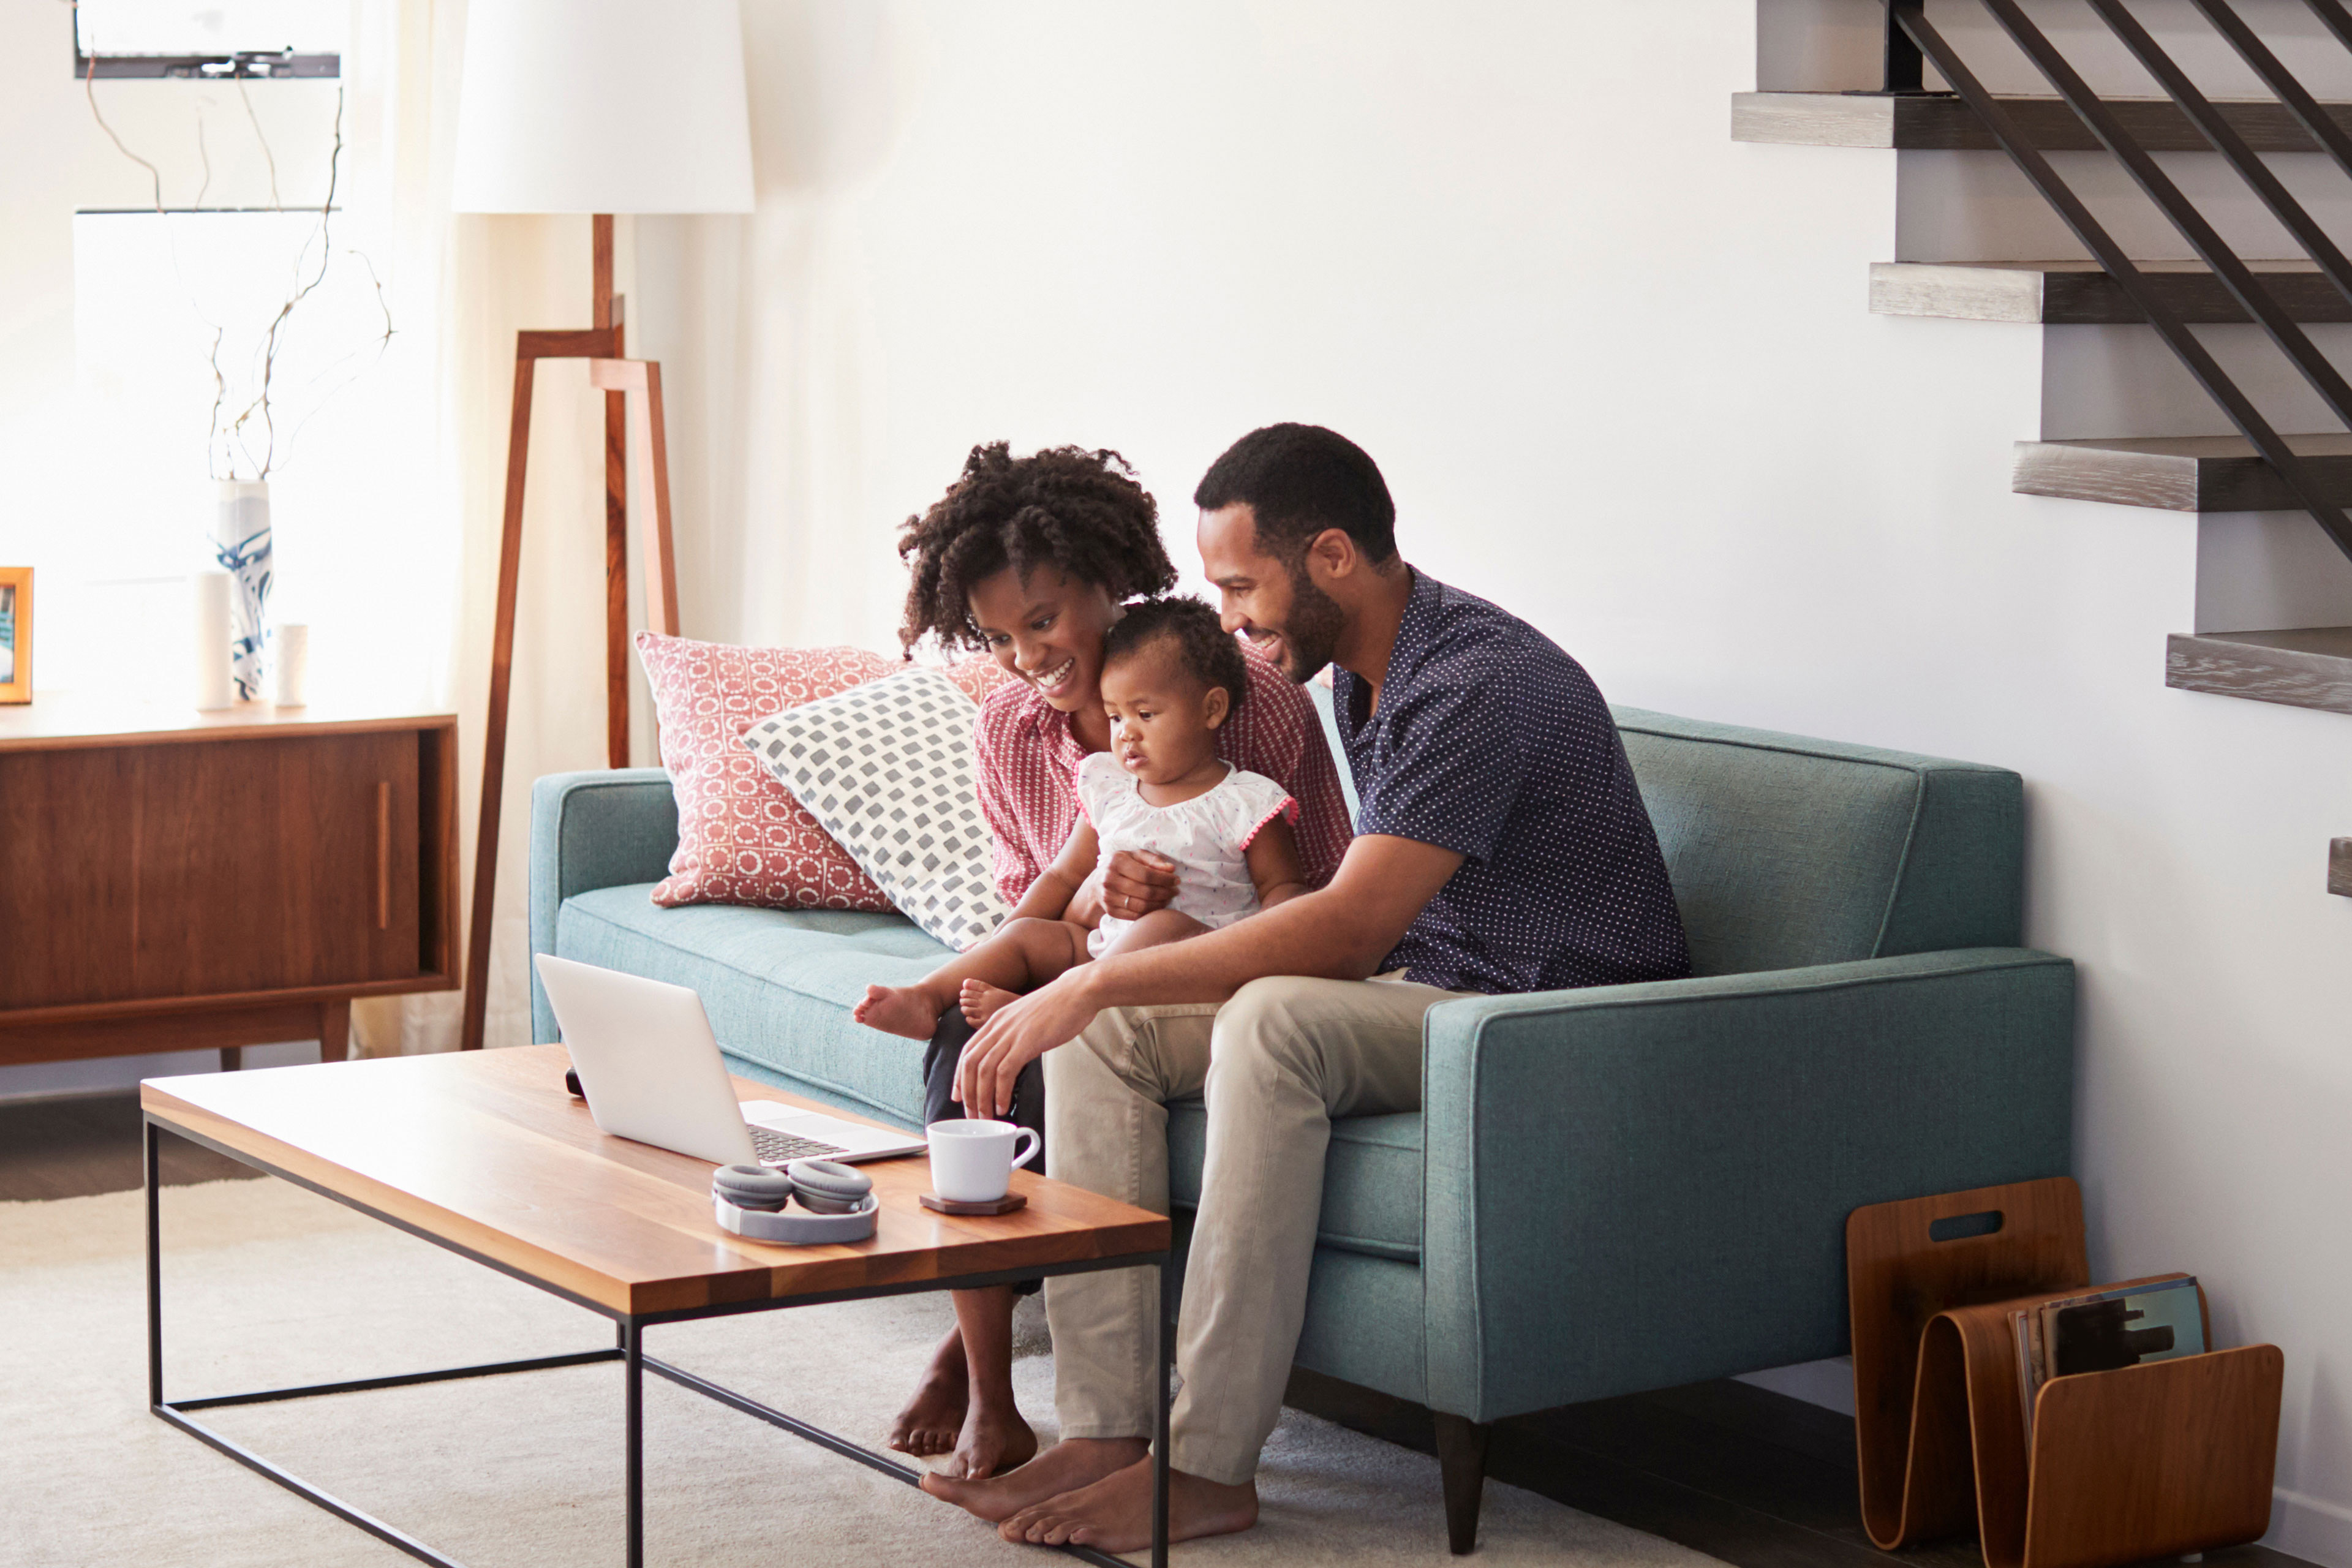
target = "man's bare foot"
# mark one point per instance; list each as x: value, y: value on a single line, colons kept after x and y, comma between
x: 995, y: 1438
x: 928, y: 1425
x: 1114, y: 1514
x: 980, y: 1000
x: 1075, y: 1462
x: 898, y: 1010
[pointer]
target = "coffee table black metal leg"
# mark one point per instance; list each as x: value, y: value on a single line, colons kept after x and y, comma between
x: 1160, y: 1417
x: 633, y: 1376
x: 154, y: 1268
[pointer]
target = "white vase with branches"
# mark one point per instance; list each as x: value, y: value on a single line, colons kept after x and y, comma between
x: 241, y: 544
x: 243, y: 442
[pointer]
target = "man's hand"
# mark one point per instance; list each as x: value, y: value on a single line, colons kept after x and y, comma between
x: 1135, y: 883
x: 1019, y: 1032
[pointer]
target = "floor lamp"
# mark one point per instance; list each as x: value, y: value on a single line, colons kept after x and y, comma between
x: 598, y: 107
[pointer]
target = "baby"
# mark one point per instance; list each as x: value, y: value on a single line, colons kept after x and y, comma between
x: 1171, y: 677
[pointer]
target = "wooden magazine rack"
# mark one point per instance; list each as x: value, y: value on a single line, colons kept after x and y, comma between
x: 2154, y: 1460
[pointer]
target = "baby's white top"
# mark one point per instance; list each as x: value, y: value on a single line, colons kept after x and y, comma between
x: 1207, y: 837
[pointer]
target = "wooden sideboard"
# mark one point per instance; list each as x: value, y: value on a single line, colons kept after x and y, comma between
x: 178, y: 881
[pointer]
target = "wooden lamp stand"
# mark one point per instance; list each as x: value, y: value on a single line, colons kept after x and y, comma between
x: 627, y: 429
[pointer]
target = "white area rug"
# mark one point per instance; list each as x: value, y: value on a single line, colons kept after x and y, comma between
x: 266, y: 1285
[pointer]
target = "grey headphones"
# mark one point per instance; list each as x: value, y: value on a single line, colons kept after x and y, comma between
x: 752, y: 1200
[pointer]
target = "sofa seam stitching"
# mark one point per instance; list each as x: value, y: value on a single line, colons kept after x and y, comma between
x: 1902, y: 865
x: 2038, y: 961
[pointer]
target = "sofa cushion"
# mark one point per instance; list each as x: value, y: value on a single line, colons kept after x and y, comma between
x: 1786, y: 851
x: 743, y: 839
x: 886, y: 768
x: 778, y: 986
x: 1371, y: 1179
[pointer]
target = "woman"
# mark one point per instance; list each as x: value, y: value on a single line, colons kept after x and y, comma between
x: 1029, y: 560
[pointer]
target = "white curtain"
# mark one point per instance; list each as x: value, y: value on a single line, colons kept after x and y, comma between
x: 775, y: 387
x: 466, y: 284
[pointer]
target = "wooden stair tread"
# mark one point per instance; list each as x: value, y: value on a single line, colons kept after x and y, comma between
x: 2179, y: 473
x: 2082, y: 294
x: 2306, y: 667
x: 1939, y: 122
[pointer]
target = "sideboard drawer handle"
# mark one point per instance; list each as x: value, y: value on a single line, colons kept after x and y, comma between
x: 384, y: 856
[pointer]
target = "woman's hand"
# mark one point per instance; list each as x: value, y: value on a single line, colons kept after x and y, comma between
x: 1136, y: 882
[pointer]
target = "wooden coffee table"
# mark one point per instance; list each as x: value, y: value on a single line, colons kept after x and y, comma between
x: 484, y: 1153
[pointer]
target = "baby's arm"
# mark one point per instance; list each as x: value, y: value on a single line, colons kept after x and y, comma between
x: 1274, y: 864
x: 1049, y: 896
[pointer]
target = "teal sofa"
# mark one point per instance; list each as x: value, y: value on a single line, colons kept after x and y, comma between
x: 1608, y: 1190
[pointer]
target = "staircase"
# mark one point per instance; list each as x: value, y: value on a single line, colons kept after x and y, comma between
x: 2260, y: 468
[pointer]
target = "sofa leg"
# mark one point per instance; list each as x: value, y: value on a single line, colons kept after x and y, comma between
x: 1461, y: 1466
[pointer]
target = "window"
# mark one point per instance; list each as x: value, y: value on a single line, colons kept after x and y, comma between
x: 154, y: 294
x: 211, y: 38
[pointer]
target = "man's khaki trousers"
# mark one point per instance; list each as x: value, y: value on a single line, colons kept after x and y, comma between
x: 1275, y: 1064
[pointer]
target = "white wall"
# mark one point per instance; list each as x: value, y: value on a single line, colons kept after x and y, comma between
x: 1621, y: 375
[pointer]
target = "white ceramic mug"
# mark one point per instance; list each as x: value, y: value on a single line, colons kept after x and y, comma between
x: 972, y: 1160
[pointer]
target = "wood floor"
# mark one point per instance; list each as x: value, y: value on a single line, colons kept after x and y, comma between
x: 80, y: 1145
x: 1756, y: 1479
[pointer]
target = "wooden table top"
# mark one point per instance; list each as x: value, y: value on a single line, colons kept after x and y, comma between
x: 485, y: 1149
x: 60, y: 720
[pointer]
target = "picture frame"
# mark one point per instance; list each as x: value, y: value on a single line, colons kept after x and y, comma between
x: 15, y: 634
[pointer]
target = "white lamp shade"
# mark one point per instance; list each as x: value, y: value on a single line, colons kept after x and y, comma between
x: 604, y: 106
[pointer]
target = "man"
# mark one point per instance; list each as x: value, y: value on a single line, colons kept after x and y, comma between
x: 1501, y: 846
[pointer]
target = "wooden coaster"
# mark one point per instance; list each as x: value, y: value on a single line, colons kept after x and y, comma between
x: 1004, y: 1204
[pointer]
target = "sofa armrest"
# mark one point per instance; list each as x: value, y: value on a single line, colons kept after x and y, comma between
x: 1634, y: 1187
x: 590, y: 830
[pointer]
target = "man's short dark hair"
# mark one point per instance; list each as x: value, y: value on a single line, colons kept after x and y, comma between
x: 1299, y: 480
x: 1202, y: 649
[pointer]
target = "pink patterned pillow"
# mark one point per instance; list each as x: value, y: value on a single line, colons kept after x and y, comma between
x: 741, y: 836
x: 977, y: 674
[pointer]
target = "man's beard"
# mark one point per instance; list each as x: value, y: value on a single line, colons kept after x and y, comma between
x: 1311, y: 634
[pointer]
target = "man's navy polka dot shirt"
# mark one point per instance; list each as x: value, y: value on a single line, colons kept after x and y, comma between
x: 1491, y: 741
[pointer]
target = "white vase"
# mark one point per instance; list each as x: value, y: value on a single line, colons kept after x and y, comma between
x: 241, y: 545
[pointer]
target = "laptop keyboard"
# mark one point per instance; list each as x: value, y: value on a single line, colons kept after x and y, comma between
x: 774, y: 1147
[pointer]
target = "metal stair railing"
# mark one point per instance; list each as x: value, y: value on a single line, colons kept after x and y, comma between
x: 1908, y: 19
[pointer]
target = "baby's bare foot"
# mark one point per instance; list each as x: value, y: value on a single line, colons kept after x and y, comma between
x: 993, y: 1440
x: 929, y: 1423
x: 898, y: 1010
x: 980, y: 1000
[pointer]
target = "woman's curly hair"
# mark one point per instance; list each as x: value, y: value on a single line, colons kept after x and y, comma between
x: 1203, y: 648
x: 1079, y: 512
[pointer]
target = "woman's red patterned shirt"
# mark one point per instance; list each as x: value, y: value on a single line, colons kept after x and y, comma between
x: 1029, y: 760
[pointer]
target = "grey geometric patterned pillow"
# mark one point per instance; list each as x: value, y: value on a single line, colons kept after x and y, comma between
x: 886, y: 769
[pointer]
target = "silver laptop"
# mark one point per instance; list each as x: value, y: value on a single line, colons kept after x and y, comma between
x: 651, y: 1069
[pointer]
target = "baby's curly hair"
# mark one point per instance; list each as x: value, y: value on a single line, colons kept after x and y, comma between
x: 1190, y: 630
x: 1079, y: 512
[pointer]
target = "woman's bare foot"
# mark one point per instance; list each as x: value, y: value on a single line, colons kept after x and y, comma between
x: 1114, y: 1514
x: 980, y: 1000
x: 929, y: 1424
x: 1068, y: 1464
x: 898, y: 1010
x: 995, y: 1438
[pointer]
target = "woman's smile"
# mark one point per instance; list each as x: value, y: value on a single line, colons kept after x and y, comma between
x: 1058, y: 682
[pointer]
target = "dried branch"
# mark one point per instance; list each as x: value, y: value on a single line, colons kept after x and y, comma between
x: 229, y: 440
x: 275, y: 203
x: 204, y: 155
x: 260, y: 404
x: 383, y: 343
x: 89, y: 90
